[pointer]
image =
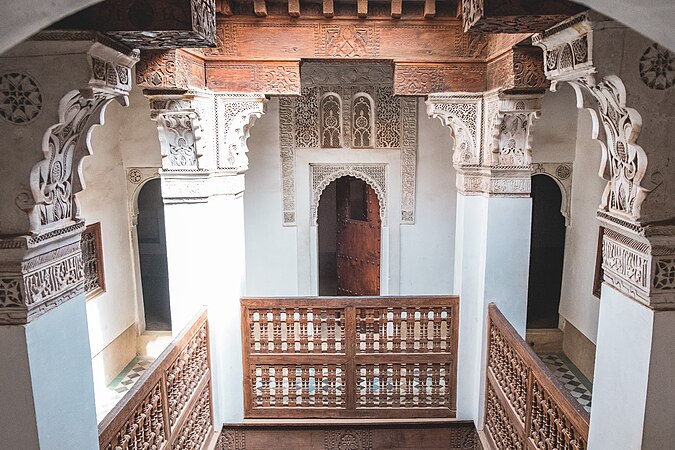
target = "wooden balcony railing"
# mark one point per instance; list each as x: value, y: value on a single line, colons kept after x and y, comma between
x: 169, y: 407
x: 349, y: 357
x: 526, y: 407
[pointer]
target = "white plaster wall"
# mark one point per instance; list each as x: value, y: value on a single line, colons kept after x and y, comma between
x: 428, y: 246
x: 104, y: 200
x: 139, y: 142
x: 419, y: 258
x: 271, y: 249
x: 577, y: 303
x: 554, y: 133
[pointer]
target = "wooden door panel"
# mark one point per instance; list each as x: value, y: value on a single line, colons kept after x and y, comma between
x: 358, y: 241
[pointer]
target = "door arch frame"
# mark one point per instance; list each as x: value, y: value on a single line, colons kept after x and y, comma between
x: 308, y: 231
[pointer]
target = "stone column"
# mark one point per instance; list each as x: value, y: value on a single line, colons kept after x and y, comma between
x: 626, y: 81
x: 53, y: 93
x: 203, y: 141
x: 492, y: 158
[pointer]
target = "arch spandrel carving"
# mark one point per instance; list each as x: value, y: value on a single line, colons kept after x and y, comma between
x: 324, y: 174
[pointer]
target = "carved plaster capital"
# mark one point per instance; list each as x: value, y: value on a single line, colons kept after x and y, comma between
x: 40, y: 256
x: 491, y: 135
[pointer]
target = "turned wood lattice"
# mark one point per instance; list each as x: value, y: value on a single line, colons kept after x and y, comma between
x: 526, y: 408
x: 169, y: 407
x: 350, y: 356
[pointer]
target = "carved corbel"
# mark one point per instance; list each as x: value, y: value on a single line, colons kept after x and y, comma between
x: 40, y: 255
x: 235, y: 115
x: 180, y: 131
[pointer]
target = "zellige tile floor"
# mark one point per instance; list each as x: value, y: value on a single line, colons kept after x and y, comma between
x: 570, y: 377
x: 107, y: 398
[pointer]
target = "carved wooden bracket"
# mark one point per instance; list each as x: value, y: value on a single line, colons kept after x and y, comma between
x: 519, y: 69
x: 150, y: 24
x: 515, y: 16
x: 170, y: 70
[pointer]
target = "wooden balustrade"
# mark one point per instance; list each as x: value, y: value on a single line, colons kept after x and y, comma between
x: 169, y: 407
x: 526, y: 407
x: 348, y: 357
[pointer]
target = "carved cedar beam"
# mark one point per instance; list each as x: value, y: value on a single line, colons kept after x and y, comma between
x: 268, y: 77
x: 515, y: 16
x: 412, y: 41
x: 396, y: 8
x: 170, y: 70
x: 150, y: 24
x: 519, y: 69
x: 424, y: 79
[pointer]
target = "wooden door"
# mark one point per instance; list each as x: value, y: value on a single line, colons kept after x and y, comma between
x: 358, y: 238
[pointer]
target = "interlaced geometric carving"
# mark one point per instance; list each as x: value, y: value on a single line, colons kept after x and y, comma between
x: 657, y: 67
x: 362, y: 114
x: 171, y: 406
x: 347, y: 353
x: 524, y: 403
x: 306, y: 119
x: 92, y: 258
x: 388, y: 118
x: 20, y: 98
x: 331, y: 123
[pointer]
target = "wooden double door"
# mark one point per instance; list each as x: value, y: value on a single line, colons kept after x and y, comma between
x: 358, y: 231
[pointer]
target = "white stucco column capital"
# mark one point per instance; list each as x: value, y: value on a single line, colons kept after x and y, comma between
x: 46, y: 124
x: 491, y: 134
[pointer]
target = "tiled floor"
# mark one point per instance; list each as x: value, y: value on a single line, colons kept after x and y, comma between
x: 573, y: 380
x: 107, y: 398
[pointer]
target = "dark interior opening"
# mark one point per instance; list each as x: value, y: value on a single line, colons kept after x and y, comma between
x: 152, y: 254
x: 546, y: 254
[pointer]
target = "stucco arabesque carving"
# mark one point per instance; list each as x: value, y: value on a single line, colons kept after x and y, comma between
x: 561, y: 173
x: 638, y: 258
x: 395, y: 121
x: 373, y: 174
x: 43, y: 268
x: 203, y: 141
x: 491, y: 135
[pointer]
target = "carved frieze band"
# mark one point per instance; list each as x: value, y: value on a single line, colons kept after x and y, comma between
x: 373, y: 174
x: 562, y: 175
x: 45, y: 277
x: 641, y: 269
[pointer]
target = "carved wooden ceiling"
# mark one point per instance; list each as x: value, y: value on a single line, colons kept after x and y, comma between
x: 259, y: 45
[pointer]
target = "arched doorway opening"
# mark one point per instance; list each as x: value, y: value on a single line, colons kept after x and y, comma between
x: 547, y: 251
x: 349, y: 238
x: 152, y: 256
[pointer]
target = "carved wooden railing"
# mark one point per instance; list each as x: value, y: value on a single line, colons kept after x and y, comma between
x: 169, y: 407
x: 526, y: 407
x: 347, y: 357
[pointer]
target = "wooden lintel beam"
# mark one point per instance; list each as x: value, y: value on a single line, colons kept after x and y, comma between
x: 328, y: 8
x: 260, y: 8
x: 362, y: 8
x: 396, y: 8
x: 429, y: 9
x: 294, y: 8
x: 223, y: 7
